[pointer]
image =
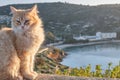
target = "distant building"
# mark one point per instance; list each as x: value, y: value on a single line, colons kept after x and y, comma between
x: 98, y: 36
x: 79, y: 37
x: 84, y: 37
x: 111, y: 35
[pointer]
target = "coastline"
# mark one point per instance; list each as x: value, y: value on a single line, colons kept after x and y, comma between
x: 62, y: 46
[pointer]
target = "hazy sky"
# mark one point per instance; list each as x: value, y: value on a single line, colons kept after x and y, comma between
x: 86, y: 2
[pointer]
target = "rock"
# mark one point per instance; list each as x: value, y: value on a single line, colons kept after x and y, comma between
x: 58, y: 77
x: 45, y: 64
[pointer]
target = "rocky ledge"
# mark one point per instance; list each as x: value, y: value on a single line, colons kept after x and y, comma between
x: 57, y: 77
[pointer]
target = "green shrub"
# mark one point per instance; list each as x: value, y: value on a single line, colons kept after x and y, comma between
x: 86, y: 72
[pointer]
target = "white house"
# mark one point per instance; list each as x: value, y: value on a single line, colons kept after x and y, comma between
x: 111, y: 35
x: 98, y: 36
x: 79, y: 38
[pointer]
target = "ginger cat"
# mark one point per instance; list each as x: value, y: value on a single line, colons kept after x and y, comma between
x: 27, y: 27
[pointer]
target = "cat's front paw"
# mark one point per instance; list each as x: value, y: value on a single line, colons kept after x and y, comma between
x: 19, y: 78
x: 35, y: 73
x: 30, y: 76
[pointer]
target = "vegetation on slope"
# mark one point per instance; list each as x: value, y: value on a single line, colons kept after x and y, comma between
x: 64, y: 19
x: 47, y: 64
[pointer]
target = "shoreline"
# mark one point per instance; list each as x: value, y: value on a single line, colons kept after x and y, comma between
x: 62, y: 46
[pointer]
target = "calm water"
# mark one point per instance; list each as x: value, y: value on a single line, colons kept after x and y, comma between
x: 95, y: 54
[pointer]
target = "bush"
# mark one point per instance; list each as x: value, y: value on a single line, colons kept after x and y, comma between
x: 50, y: 38
x: 86, y: 72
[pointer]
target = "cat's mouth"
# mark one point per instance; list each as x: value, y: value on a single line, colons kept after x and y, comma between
x: 24, y: 28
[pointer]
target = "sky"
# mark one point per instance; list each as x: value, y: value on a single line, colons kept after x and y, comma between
x: 84, y: 2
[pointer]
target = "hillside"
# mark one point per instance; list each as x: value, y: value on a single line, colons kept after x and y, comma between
x: 65, y: 19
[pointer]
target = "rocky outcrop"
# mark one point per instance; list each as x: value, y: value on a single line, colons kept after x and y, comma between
x: 45, y: 63
x: 56, y: 54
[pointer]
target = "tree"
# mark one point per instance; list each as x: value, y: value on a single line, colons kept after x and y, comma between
x: 50, y: 38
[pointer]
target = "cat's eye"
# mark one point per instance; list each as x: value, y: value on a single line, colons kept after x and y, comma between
x: 18, y: 21
x: 26, y: 22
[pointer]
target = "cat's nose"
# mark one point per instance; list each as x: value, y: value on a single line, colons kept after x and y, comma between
x: 22, y: 27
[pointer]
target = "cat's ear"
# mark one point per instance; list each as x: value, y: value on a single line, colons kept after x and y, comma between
x: 13, y: 9
x: 34, y: 9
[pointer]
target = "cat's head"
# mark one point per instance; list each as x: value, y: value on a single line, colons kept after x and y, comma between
x: 25, y: 20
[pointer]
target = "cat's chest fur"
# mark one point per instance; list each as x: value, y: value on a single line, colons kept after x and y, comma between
x: 29, y: 41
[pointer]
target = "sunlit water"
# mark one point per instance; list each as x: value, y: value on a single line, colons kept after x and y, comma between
x: 81, y: 56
